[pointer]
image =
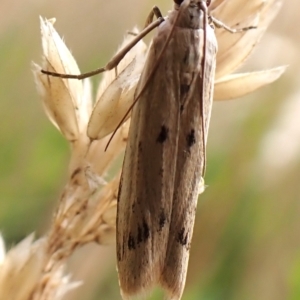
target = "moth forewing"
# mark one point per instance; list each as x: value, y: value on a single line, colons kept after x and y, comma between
x: 165, y: 154
x: 189, y: 169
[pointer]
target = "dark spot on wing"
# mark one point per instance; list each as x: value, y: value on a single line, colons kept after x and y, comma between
x: 140, y: 235
x: 163, y: 134
x: 181, y: 108
x: 143, y: 234
x: 131, y: 242
x: 146, y: 231
x: 162, y: 220
x: 140, y: 146
x: 184, y: 89
x: 190, y: 138
x: 182, y: 237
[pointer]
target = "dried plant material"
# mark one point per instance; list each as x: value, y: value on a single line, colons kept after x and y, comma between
x: 115, y: 93
x: 235, y: 48
x: 87, y: 208
x: 22, y: 267
x: 60, y: 97
x: 101, y: 221
x: 237, y: 85
x: 101, y: 164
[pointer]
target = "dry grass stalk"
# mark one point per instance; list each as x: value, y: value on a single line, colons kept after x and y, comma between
x: 86, y: 211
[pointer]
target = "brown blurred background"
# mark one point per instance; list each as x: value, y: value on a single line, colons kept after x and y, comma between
x: 246, y: 243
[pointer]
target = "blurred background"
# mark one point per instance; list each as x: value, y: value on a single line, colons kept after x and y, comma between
x: 246, y: 241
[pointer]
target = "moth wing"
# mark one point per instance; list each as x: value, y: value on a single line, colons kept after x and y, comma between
x: 190, y: 163
x: 147, y: 182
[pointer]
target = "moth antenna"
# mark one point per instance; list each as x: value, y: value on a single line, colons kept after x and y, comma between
x: 205, y: 21
x: 113, y: 63
x: 148, y: 79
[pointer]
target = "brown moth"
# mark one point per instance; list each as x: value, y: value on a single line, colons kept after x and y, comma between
x: 165, y: 154
x: 165, y: 157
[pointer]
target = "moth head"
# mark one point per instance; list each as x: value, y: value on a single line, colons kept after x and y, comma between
x: 208, y: 2
x: 191, y: 13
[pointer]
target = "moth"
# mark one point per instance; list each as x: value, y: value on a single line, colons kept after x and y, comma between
x: 165, y: 157
x: 165, y: 154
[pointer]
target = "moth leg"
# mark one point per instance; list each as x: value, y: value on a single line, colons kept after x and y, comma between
x: 220, y: 24
x: 154, y: 12
x: 113, y: 63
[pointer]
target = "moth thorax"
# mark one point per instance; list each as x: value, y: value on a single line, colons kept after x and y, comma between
x: 190, y: 16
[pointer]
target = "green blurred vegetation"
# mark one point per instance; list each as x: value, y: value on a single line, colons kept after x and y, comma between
x: 32, y: 153
x: 246, y: 237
